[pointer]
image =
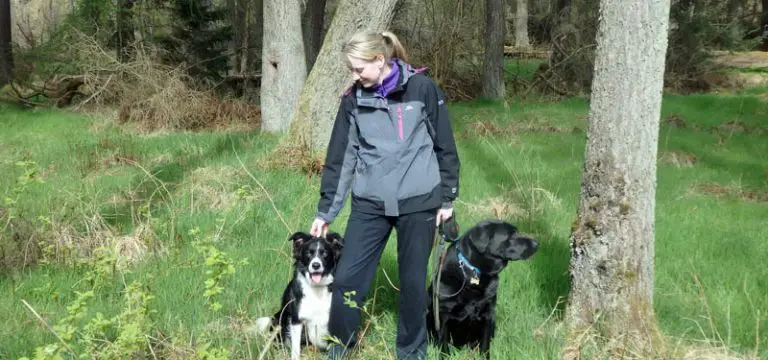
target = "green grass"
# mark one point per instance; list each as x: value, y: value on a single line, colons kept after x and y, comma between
x: 710, y: 222
x: 521, y: 68
x: 759, y: 70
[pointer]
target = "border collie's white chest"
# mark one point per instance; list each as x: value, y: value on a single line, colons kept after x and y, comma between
x: 314, y: 311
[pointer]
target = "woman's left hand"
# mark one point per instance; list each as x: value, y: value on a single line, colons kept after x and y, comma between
x: 442, y: 215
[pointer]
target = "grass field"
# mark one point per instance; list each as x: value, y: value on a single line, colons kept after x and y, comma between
x: 166, y: 205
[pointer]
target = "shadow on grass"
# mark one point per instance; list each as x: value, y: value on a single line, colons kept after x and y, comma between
x: 708, y: 153
x: 550, y: 263
x: 153, y: 193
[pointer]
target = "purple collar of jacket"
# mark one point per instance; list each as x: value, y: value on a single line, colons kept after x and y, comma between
x: 390, y: 81
x: 396, y: 78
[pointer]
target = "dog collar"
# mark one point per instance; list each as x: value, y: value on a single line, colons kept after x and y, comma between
x: 464, y: 262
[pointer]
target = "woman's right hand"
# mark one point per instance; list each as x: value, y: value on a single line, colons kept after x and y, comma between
x: 319, y: 228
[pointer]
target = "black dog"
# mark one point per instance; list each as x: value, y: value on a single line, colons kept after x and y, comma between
x: 469, y: 278
x: 306, y: 303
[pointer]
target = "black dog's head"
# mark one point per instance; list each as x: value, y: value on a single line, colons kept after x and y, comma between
x: 316, y: 257
x: 490, y: 244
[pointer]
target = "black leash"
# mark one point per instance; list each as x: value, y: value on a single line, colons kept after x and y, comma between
x: 447, y: 234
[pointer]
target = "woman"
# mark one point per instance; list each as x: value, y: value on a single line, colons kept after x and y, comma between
x: 392, y: 143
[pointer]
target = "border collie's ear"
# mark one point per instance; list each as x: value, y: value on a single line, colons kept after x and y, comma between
x: 520, y: 248
x: 335, y: 239
x: 299, y: 238
x: 337, y: 243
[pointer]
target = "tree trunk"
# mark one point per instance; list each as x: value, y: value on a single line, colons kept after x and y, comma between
x: 125, y: 30
x: 92, y: 14
x: 493, y: 63
x: 238, y: 13
x: 6, y: 52
x: 283, y: 65
x: 509, y: 23
x: 329, y: 78
x: 764, y: 26
x: 733, y: 8
x: 312, y: 25
x: 256, y: 35
x: 612, y: 243
x: 521, y: 24
x: 245, y: 44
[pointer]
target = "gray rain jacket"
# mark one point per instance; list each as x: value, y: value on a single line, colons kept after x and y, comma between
x: 397, y: 153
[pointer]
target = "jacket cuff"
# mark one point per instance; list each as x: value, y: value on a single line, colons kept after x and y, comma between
x: 324, y: 217
x: 447, y: 205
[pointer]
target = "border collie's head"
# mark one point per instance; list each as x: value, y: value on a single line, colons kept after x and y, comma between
x: 316, y: 257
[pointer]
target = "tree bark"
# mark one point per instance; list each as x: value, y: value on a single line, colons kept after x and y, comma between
x: 256, y: 36
x: 313, y: 22
x: 238, y: 16
x: 612, y: 243
x: 6, y: 44
x: 521, y: 24
x: 283, y: 65
x: 245, y: 43
x: 509, y: 22
x: 329, y: 77
x: 125, y: 30
x: 493, y: 63
x: 764, y: 26
x: 733, y: 9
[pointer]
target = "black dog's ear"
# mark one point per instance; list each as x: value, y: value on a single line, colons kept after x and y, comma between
x: 520, y: 248
x: 478, y: 236
x: 488, y: 236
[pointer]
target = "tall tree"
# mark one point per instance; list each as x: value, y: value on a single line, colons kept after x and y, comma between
x: 198, y: 39
x: 521, y: 24
x: 312, y: 23
x: 255, y: 36
x: 329, y: 77
x: 732, y: 10
x: 90, y: 14
x: 238, y: 11
x: 493, y: 63
x: 125, y: 30
x: 283, y: 67
x: 6, y: 52
x: 764, y: 26
x: 612, y: 243
x: 509, y: 22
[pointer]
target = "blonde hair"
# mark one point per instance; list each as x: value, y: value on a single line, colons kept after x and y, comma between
x: 367, y: 45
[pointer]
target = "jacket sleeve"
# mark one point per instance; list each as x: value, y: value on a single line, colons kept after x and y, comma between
x: 340, y: 162
x: 445, y: 146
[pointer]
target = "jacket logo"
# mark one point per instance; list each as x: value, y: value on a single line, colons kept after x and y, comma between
x: 408, y: 107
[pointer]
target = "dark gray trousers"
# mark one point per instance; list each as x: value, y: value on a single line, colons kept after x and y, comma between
x: 364, y: 241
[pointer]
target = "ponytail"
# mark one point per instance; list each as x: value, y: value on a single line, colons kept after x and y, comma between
x: 367, y: 45
x: 394, y: 47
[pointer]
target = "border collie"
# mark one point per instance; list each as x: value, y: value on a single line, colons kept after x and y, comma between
x: 469, y: 280
x: 306, y: 304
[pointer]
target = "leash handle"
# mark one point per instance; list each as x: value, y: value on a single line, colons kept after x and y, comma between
x: 449, y: 229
